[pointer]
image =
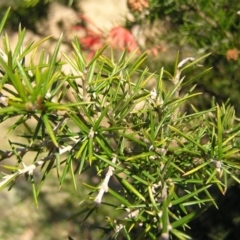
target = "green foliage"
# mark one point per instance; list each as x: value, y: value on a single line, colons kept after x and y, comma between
x: 156, y: 161
x: 202, y: 27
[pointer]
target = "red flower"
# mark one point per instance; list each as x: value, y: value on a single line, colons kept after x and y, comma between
x: 91, y: 42
x: 121, y: 38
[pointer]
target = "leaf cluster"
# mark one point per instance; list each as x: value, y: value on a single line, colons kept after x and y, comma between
x: 199, y: 27
x: 163, y: 160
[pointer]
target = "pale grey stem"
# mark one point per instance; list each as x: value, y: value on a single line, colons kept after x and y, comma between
x: 104, y: 185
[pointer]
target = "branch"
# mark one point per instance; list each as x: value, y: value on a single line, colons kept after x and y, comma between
x: 104, y: 186
x: 26, y: 169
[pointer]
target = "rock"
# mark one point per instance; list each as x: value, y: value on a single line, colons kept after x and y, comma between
x: 103, y: 15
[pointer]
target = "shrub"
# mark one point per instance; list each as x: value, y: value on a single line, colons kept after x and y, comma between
x: 157, y: 161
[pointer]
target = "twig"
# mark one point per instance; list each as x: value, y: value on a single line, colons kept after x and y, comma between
x: 176, y: 80
x: 104, y: 186
x: 26, y: 169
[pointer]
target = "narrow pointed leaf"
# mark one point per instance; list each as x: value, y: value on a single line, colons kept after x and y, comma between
x: 131, y: 188
x: 49, y: 129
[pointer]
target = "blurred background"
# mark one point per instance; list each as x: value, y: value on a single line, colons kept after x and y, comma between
x: 160, y: 28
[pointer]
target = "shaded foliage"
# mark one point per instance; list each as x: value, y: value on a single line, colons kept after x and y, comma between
x: 163, y: 160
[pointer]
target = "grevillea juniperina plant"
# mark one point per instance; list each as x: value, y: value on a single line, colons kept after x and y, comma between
x: 156, y: 163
